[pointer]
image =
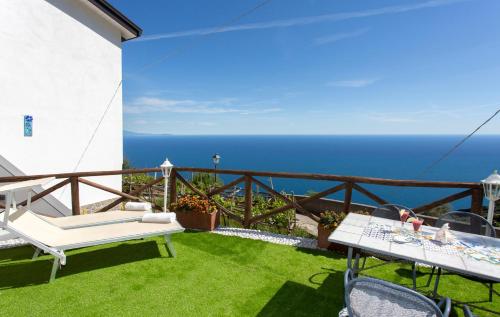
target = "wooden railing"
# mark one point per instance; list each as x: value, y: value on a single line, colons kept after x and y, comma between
x: 74, y: 179
x: 348, y: 184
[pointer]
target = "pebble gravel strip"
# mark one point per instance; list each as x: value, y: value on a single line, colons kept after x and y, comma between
x: 11, y: 243
x: 268, y: 237
x: 237, y: 232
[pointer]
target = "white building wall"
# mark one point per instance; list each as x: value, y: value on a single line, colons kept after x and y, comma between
x: 61, y: 63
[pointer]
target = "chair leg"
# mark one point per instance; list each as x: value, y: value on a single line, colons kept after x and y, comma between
x: 430, y: 277
x: 55, y: 267
x: 170, y: 246
x: 36, y: 254
x: 414, y: 275
x: 364, y: 262
x: 436, y: 284
x: 491, y: 292
x: 356, y: 264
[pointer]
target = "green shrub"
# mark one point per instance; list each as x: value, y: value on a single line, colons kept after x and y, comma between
x: 193, y: 203
x: 331, y: 219
x: 205, y: 181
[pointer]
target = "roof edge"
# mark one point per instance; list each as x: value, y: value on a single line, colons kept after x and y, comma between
x: 119, y: 18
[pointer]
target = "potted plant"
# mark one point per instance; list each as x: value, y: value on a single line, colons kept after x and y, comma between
x: 329, y: 221
x: 194, y: 212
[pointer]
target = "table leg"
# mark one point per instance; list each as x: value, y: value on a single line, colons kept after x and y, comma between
x: 349, y: 258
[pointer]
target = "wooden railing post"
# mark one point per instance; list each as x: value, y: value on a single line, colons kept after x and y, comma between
x: 173, y: 188
x: 476, y: 201
x: 75, y: 195
x: 347, y: 197
x: 248, y: 201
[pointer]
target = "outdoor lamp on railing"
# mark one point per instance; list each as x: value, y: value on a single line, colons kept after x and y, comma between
x: 492, y: 192
x: 166, y: 170
x: 216, y: 160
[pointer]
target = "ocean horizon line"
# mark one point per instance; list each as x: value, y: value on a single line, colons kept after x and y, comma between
x: 142, y: 134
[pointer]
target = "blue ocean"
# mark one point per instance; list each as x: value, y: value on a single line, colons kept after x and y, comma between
x: 396, y: 157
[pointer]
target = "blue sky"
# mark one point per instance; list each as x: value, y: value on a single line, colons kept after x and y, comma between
x: 312, y: 67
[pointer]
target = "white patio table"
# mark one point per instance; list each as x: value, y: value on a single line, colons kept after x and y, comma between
x: 469, y: 254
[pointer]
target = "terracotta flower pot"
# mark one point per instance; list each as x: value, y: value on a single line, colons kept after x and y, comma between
x: 198, y: 220
x: 323, y: 234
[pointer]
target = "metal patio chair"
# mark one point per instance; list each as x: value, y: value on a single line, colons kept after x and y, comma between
x: 468, y: 312
x: 391, y: 211
x: 372, y: 297
x: 469, y: 222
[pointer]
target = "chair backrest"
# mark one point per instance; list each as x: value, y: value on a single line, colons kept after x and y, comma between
x: 465, y: 221
x: 372, y: 297
x: 391, y: 211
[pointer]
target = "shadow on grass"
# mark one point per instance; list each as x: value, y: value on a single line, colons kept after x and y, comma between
x: 16, y: 254
x: 236, y: 249
x: 407, y: 273
x: 37, y: 272
x: 295, y: 299
x: 325, y: 253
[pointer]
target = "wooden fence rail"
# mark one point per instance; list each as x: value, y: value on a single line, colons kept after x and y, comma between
x: 348, y: 184
x: 249, y: 179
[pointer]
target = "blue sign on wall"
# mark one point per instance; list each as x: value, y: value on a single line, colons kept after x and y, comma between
x: 28, y: 125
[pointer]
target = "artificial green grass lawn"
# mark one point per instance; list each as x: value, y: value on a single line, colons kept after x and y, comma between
x: 212, y: 275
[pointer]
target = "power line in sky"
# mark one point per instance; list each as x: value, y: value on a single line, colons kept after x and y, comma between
x: 456, y: 146
x: 182, y: 48
x: 160, y: 60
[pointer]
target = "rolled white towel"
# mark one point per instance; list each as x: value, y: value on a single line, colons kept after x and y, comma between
x: 138, y: 206
x: 160, y: 217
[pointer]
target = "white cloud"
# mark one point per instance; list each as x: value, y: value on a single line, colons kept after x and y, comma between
x: 161, y: 102
x: 302, y: 20
x: 261, y: 111
x: 140, y: 122
x: 353, y: 83
x: 339, y: 36
x: 218, y: 106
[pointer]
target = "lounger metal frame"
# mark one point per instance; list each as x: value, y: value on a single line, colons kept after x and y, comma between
x: 58, y: 252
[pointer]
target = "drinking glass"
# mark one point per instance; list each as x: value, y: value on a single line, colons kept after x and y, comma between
x: 416, y: 224
x: 403, y: 215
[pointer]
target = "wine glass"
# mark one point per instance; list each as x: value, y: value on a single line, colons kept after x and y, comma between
x: 417, y: 222
x: 403, y: 216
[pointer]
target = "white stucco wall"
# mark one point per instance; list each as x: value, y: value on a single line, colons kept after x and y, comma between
x: 61, y: 63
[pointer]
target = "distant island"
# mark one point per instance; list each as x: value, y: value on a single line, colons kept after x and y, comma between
x: 127, y: 133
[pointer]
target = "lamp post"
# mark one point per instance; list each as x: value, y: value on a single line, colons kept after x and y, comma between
x: 216, y: 160
x: 166, y: 170
x: 492, y: 192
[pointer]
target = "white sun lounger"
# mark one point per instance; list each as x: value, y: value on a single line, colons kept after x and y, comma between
x: 54, y: 240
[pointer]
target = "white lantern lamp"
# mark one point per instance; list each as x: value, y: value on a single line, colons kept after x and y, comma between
x: 492, y: 192
x: 216, y: 160
x: 166, y: 170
